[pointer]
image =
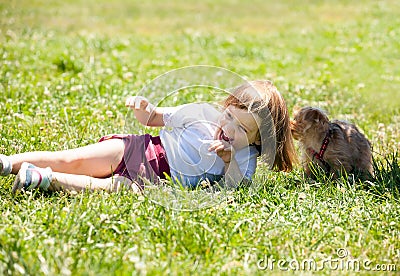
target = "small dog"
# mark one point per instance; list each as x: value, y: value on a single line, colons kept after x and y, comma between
x: 337, y: 147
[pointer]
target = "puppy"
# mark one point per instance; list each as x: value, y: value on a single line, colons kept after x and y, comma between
x: 337, y: 147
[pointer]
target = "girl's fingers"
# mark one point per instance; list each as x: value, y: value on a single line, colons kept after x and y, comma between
x: 129, y: 101
x: 214, y: 145
x: 218, y: 145
x: 133, y: 101
x: 149, y: 107
x: 222, y: 149
x: 217, y: 148
x: 139, y: 102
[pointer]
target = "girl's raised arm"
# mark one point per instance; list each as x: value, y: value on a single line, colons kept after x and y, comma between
x: 146, y: 113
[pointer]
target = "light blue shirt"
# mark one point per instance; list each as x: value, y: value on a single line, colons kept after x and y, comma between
x: 188, y: 133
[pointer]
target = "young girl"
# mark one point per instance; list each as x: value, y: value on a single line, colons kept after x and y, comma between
x: 198, y: 142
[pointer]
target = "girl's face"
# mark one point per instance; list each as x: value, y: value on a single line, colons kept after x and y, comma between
x: 238, y: 127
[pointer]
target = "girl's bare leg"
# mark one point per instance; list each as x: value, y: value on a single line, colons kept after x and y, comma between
x: 72, y: 182
x: 96, y: 160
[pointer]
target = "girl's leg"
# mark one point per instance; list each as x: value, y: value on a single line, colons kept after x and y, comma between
x: 97, y: 160
x: 31, y: 177
x: 71, y: 182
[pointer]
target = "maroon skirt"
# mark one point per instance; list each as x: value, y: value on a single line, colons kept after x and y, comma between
x: 144, y: 158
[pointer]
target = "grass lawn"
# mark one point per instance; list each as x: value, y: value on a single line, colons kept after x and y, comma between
x: 66, y: 68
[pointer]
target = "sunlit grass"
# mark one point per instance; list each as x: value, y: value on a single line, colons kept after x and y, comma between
x: 67, y: 67
x: 204, y: 17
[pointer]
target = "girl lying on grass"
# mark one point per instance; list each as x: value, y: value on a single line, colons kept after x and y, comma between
x: 199, y: 142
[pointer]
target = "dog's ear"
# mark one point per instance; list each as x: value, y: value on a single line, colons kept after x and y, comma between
x: 316, y: 115
x: 292, y: 125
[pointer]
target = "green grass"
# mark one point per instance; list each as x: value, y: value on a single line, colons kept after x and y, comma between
x: 66, y: 68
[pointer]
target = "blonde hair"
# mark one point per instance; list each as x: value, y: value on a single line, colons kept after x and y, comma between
x: 262, y: 98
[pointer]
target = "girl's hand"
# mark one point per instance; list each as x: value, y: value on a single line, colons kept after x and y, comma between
x: 223, y: 149
x: 145, y: 112
x: 139, y: 103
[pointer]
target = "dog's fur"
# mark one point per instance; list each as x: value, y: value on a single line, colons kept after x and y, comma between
x: 348, y: 150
